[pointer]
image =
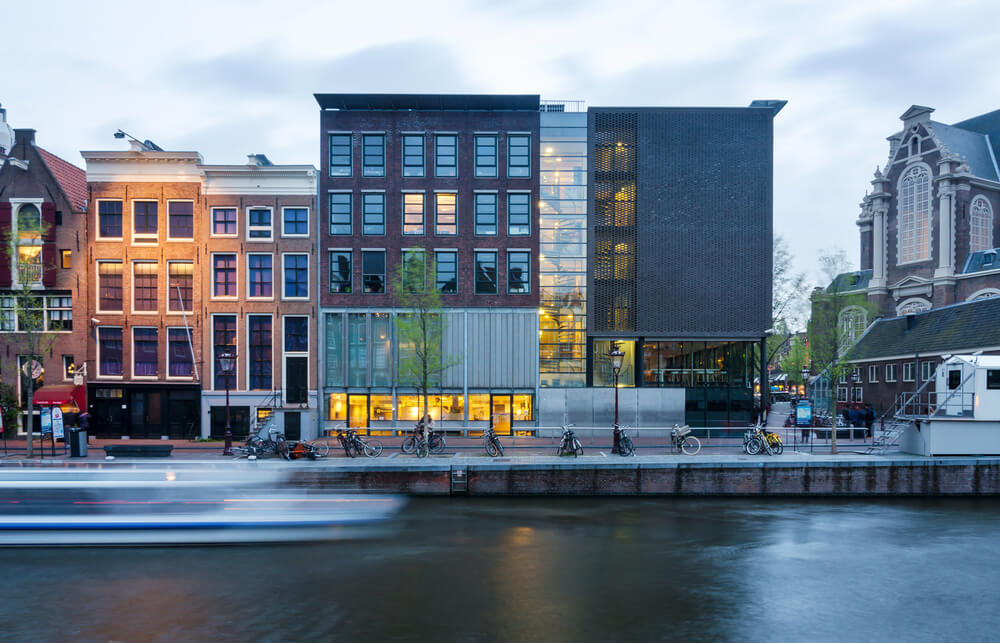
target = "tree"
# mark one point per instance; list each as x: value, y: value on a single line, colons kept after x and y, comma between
x: 793, y: 362
x: 420, y: 328
x: 26, y: 305
x: 839, y: 316
x: 787, y: 303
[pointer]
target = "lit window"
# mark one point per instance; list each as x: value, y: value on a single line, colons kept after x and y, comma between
x: 373, y: 155
x: 486, y: 155
x: 413, y: 214
x: 445, y: 219
x: 144, y: 286
x: 413, y: 155
x: 340, y: 155
x: 518, y: 156
x: 65, y: 259
x: 341, y: 213
x: 180, y: 284
x: 109, y: 286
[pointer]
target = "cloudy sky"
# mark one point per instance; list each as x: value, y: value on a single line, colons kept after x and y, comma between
x: 231, y: 78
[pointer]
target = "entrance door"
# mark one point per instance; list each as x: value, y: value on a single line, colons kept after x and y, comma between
x: 107, y: 417
x: 145, y: 414
x: 183, y: 415
x: 293, y: 425
x: 501, y: 414
x: 357, y: 411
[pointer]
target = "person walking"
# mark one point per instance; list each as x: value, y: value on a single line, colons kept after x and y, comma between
x: 869, y: 418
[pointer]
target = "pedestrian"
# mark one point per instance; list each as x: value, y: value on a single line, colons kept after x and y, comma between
x: 869, y: 419
x: 846, y: 414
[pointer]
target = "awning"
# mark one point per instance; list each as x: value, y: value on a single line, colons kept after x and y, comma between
x: 59, y: 395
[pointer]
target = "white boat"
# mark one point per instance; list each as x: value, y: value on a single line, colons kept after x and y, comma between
x: 174, y: 506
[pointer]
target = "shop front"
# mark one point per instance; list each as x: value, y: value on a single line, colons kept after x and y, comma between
x: 149, y: 411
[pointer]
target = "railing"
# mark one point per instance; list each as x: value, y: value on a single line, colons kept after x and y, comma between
x: 936, y: 404
x: 29, y: 273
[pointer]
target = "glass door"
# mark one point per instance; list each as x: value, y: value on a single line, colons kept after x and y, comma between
x: 357, y: 411
x: 501, y: 414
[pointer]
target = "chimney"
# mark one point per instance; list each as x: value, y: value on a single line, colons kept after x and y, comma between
x: 24, y: 137
x: 258, y: 160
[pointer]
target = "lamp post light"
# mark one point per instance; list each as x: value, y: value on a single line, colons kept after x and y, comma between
x: 227, y: 362
x: 616, y: 356
x: 805, y: 380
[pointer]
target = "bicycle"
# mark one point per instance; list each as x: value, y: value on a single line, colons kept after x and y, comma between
x: 625, y: 446
x: 370, y: 448
x: 682, y: 440
x: 758, y: 438
x: 569, y: 445
x: 436, y: 446
x: 492, y: 443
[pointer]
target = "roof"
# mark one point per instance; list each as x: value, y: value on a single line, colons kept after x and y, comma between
x: 972, y: 145
x: 982, y: 361
x: 847, y: 282
x: 456, y: 102
x: 957, y: 328
x: 72, y: 179
x: 979, y: 261
x: 987, y: 124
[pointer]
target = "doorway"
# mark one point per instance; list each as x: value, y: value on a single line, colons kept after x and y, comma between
x: 357, y: 411
x: 145, y: 414
x: 293, y: 425
x: 500, y: 414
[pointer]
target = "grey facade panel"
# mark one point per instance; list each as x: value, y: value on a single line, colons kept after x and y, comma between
x: 454, y: 348
x: 592, y: 409
x: 502, y: 346
x: 704, y: 220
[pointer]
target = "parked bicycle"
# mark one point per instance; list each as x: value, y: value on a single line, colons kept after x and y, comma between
x: 437, y: 441
x: 260, y: 446
x: 569, y: 445
x: 492, y: 443
x: 758, y: 439
x: 682, y: 440
x: 625, y: 446
x: 369, y: 447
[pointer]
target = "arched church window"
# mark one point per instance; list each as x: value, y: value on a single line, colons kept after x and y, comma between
x: 915, y: 215
x: 913, y: 306
x: 852, y: 323
x: 980, y: 225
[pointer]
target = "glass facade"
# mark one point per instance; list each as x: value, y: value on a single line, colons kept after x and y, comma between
x: 562, y: 221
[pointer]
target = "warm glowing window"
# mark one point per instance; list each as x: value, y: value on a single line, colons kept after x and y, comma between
x: 337, y: 407
x: 445, y: 219
x: 479, y: 407
x: 413, y: 214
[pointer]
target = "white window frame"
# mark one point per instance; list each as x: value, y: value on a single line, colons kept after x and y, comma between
x: 97, y: 335
x: 145, y: 239
x: 247, y: 360
x: 136, y: 262
x: 920, y: 217
x: 890, y: 372
x: 927, y: 365
x: 236, y: 342
x: 842, y: 394
x: 146, y: 378
x: 257, y: 228
x: 912, y: 368
x: 308, y: 276
x: 981, y: 217
x: 211, y: 222
x: 873, y: 374
x: 97, y: 281
x: 919, y: 302
x: 211, y: 279
x: 247, y: 273
x: 857, y: 394
x: 193, y: 218
x: 47, y: 308
x: 168, y: 294
x: 985, y: 293
x: 97, y: 220
x: 285, y: 235
x: 190, y: 332
x: 15, y: 273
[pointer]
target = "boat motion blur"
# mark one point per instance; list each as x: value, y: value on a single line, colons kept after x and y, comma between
x: 176, y: 506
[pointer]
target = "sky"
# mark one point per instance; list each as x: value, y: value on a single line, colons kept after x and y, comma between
x: 232, y: 78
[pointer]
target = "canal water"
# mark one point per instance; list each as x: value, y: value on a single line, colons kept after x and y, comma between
x: 546, y: 570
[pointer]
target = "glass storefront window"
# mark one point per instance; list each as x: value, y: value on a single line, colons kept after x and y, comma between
x: 603, y: 375
x: 357, y: 408
x: 479, y: 407
x: 337, y: 407
x: 381, y: 349
x: 334, y: 349
x: 409, y: 407
x: 357, y: 353
x: 381, y: 408
x: 450, y: 408
x: 521, y: 410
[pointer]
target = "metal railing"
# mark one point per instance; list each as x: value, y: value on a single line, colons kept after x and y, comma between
x: 29, y: 273
x: 937, y: 403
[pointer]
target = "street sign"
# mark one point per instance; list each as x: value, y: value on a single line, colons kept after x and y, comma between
x: 804, y: 413
x: 32, y: 369
x: 57, y: 422
x: 77, y: 379
x: 46, y: 420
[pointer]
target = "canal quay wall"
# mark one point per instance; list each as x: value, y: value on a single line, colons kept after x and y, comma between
x: 816, y: 476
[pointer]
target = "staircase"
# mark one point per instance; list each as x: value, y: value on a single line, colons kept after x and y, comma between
x: 888, y: 436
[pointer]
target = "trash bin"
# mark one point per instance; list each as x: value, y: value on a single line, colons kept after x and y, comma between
x: 77, y: 442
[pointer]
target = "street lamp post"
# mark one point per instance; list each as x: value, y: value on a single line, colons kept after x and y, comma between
x: 227, y: 362
x: 616, y: 366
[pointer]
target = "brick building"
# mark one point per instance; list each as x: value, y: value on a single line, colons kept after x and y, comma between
x: 456, y: 176
x: 43, y: 209
x: 191, y: 259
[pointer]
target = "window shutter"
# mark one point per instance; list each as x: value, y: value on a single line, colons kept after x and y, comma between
x: 5, y: 257
x: 49, y: 261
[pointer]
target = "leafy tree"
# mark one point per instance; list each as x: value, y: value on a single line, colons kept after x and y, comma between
x: 792, y: 363
x: 787, y: 303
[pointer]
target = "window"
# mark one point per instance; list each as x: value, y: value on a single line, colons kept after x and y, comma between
x: 856, y: 374
x: 224, y: 275
x: 259, y: 224
x: 180, y: 278
x: 180, y: 220
x: 29, y: 264
x: 8, y: 316
x: 955, y: 379
x: 144, y: 218
x: 59, y: 313
x: 445, y: 218
x: 447, y: 271
x: 224, y: 222
x: 296, y: 276
x: 890, y: 372
x: 109, y: 286
x: 373, y: 271
x: 260, y: 275
x: 65, y: 259
x: 69, y: 367
x: 413, y: 214
x: 373, y: 213
x: 519, y: 273
x: 414, y: 270
x: 341, y: 213
x: 927, y: 370
x: 144, y: 286
x: 518, y: 156
x: 373, y: 155
x: 296, y: 334
x: 223, y: 339
x: 295, y: 222
x: 413, y: 155
x: 980, y: 225
x: 486, y: 214
x: 340, y: 154
x: 145, y: 352
x: 341, y: 273
x: 109, y: 219
x: 260, y: 344
x: 180, y: 362
x: 853, y: 321
x: 109, y: 348
x: 915, y: 215
x: 29, y: 223
x: 486, y: 155
x: 992, y: 379
x: 518, y: 213
x: 913, y: 306
x: 856, y: 395
x: 445, y: 155
x: 842, y: 379
x: 841, y: 393
x: 873, y: 374
x: 486, y: 272
x: 909, y: 372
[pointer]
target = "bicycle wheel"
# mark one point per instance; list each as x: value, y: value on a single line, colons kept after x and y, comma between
x: 491, y: 448
x: 779, y: 448
x: 559, y: 449
x: 437, y: 444
x: 373, y: 448
x: 282, y: 448
x: 577, y: 448
x: 499, y: 446
x: 322, y: 449
x: 408, y: 445
x: 421, y: 449
x: 753, y: 446
x: 691, y: 445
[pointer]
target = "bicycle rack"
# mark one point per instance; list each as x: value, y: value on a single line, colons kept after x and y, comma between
x: 459, y: 481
